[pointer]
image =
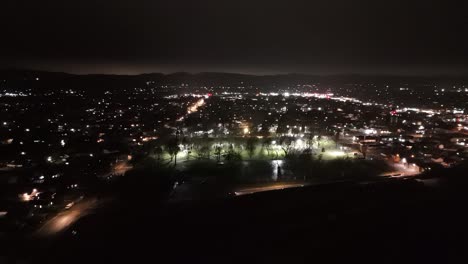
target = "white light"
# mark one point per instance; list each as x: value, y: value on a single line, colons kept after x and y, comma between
x: 62, y: 142
x: 337, y: 153
x: 300, y: 143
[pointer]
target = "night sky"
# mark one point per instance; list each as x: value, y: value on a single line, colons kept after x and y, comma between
x: 248, y: 36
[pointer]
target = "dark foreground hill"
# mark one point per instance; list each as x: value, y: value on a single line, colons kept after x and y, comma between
x: 391, y: 221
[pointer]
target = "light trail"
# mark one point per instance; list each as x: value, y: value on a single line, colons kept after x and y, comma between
x: 273, y: 187
x: 194, y: 107
x: 66, y: 218
x: 121, y: 168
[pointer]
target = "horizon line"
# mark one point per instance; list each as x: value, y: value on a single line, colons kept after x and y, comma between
x: 31, y: 69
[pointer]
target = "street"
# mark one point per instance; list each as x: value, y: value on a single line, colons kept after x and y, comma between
x: 67, y: 217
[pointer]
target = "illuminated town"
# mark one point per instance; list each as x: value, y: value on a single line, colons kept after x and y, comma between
x: 64, y: 151
x: 245, y: 131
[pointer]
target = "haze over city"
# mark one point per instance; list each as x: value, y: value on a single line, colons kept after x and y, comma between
x: 256, y: 37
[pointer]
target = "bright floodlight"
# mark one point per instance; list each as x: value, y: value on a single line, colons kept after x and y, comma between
x: 336, y: 153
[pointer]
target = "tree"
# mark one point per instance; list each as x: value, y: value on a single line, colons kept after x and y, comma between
x: 306, y: 155
x: 158, y: 151
x: 204, y: 152
x: 231, y: 148
x: 173, y: 149
x: 364, y: 150
x: 266, y: 144
x: 233, y: 156
x: 186, y: 143
x: 218, y: 153
x: 251, y: 142
x: 337, y: 138
x: 264, y: 132
x: 310, y: 141
x: 286, y: 144
x: 319, y: 138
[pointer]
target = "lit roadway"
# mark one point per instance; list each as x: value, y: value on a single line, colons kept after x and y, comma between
x: 399, y: 169
x: 403, y: 170
x: 67, y: 217
x: 121, y: 168
x: 269, y: 187
x: 193, y: 108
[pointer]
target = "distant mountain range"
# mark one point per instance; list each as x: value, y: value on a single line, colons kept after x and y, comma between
x: 215, y: 79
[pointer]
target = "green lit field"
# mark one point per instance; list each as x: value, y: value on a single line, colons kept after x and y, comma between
x: 261, y: 151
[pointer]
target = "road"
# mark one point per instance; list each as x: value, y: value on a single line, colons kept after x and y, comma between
x: 268, y: 187
x: 399, y: 169
x: 67, y: 217
x: 121, y: 168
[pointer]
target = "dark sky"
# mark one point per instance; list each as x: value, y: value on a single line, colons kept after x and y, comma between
x: 314, y: 36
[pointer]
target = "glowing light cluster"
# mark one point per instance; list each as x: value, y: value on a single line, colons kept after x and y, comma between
x: 194, y: 107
